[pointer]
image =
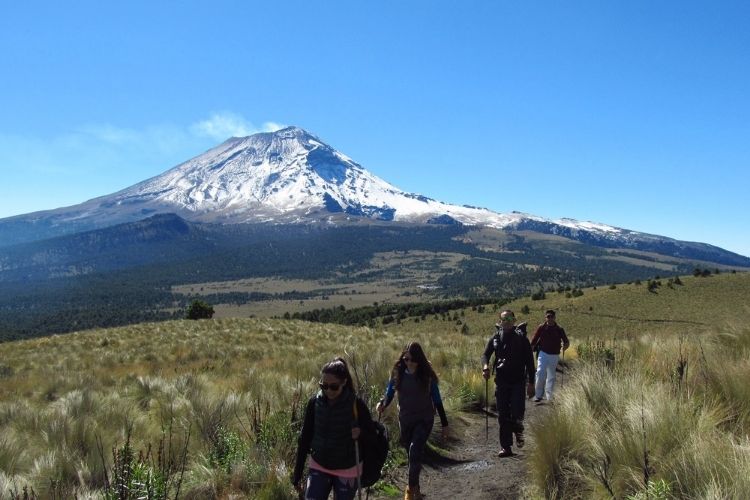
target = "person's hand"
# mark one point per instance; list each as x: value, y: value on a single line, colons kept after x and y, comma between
x: 529, y: 390
x: 297, y: 483
x: 565, y: 347
x: 355, y: 433
x: 445, y: 432
x: 486, y: 372
x: 380, y: 408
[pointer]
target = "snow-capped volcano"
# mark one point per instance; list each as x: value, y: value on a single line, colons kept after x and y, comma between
x: 286, y: 176
x: 291, y: 176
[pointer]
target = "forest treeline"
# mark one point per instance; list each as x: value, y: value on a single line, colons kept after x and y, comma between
x: 95, y: 295
x: 389, y: 313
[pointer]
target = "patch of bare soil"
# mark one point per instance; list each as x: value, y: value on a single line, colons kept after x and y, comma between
x: 468, y: 468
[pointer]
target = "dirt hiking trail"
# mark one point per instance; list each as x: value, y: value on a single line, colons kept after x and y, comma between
x: 471, y: 469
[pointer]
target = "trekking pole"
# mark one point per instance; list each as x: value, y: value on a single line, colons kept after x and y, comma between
x: 359, y: 474
x: 356, y: 453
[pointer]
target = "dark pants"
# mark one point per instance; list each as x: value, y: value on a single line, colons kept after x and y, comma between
x: 320, y: 484
x: 414, y: 438
x: 511, y: 406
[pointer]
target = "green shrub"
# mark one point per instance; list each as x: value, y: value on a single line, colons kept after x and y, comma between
x: 596, y: 351
x: 228, y: 450
x: 199, y: 310
x: 655, y: 490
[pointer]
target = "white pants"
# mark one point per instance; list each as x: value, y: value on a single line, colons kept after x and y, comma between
x: 545, y: 374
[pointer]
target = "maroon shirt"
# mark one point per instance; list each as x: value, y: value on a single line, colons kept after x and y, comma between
x: 549, y: 338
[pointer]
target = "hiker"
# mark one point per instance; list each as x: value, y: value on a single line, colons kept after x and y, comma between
x: 514, y: 364
x: 328, y: 434
x: 418, y: 399
x: 547, y: 340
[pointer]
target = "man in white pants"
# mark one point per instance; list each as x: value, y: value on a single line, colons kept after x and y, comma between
x: 548, y: 338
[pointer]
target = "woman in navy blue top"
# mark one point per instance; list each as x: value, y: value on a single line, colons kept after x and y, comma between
x: 419, y: 398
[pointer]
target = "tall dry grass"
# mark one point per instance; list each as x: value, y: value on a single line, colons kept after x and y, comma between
x: 232, y: 389
x: 670, y: 410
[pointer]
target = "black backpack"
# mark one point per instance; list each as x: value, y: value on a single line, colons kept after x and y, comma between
x: 374, y: 454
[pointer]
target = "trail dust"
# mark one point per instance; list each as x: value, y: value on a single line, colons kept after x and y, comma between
x: 468, y: 466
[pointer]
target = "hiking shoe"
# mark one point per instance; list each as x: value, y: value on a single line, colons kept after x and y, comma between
x: 520, y: 441
x: 536, y: 400
x: 505, y: 452
x: 413, y: 493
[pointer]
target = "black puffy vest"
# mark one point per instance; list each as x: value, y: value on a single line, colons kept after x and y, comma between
x: 332, y: 443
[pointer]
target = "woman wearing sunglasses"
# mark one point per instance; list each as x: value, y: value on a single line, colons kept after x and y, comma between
x: 328, y: 435
x: 418, y: 398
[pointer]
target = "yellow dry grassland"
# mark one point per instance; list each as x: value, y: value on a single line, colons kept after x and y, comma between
x: 223, y: 397
x: 68, y: 401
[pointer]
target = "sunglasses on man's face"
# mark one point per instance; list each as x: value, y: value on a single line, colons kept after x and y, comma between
x: 508, y: 318
x: 333, y: 387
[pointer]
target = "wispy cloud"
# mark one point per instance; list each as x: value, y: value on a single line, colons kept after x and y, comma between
x: 220, y: 126
x: 105, y: 146
x: 110, y: 134
x: 95, y: 159
x: 272, y: 126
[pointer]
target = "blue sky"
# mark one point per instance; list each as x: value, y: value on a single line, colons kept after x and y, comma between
x: 635, y: 114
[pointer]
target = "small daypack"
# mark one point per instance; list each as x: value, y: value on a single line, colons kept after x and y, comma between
x: 373, y: 456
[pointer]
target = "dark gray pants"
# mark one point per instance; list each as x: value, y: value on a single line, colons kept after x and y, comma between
x: 414, y: 438
x: 511, y: 406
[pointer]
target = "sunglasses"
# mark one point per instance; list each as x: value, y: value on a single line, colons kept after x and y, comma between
x: 334, y: 387
x: 408, y: 359
x: 508, y: 318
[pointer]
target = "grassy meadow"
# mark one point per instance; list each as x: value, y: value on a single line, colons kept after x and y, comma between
x: 210, y: 408
x: 400, y: 275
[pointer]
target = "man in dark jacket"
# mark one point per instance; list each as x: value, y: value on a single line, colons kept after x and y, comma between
x: 514, y: 370
x: 548, y: 338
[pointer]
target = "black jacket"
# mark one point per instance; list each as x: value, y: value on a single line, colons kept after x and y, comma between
x: 514, y: 361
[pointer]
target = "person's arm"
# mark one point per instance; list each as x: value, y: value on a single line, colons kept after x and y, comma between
x: 528, y: 360
x: 565, y: 341
x: 438, y: 402
x: 304, y: 441
x: 537, y: 335
x: 487, y: 355
x: 390, y: 390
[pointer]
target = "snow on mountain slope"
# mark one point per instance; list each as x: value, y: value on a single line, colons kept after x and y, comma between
x: 290, y: 176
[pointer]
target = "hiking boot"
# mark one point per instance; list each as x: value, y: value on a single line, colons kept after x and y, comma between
x: 520, y: 441
x: 412, y: 493
x: 505, y: 452
x: 537, y: 400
